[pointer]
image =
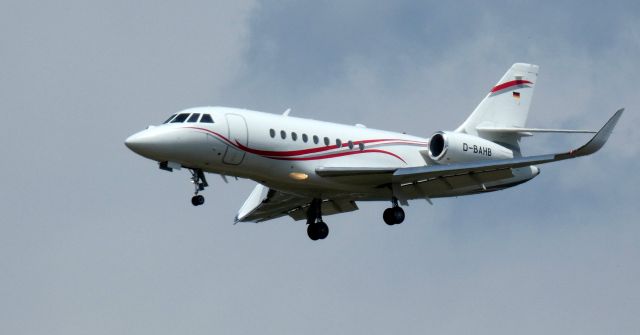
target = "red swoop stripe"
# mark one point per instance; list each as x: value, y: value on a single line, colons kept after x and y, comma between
x: 340, y: 154
x: 286, y: 155
x: 319, y: 149
x: 509, y: 84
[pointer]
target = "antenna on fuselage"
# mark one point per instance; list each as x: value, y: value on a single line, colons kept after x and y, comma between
x: 286, y: 113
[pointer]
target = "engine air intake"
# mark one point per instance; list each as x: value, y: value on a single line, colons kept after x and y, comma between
x: 436, y: 145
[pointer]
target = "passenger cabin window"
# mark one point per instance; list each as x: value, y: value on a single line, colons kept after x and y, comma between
x: 338, y: 143
x: 180, y: 118
x: 326, y: 141
x: 194, y: 117
x: 170, y: 118
x: 283, y: 134
x: 294, y: 136
x: 315, y: 139
x: 305, y: 138
x: 350, y: 144
x: 272, y: 133
x: 206, y: 118
x: 361, y: 146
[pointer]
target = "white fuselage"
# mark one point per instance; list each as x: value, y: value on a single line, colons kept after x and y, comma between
x: 283, y: 153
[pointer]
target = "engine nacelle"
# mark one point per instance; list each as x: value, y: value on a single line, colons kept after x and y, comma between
x: 448, y: 147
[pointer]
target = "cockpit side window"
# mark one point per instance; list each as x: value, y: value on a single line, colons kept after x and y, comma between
x: 170, y: 118
x: 206, y: 118
x: 180, y: 118
x: 194, y: 117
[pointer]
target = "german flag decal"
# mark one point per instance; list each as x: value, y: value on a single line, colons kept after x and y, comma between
x: 516, y: 95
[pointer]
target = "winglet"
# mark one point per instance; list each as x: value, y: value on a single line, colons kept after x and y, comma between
x: 600, y: 138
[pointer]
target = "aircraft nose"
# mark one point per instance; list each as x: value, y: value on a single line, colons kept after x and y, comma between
x: 134, y: 142
x: 143, y: 143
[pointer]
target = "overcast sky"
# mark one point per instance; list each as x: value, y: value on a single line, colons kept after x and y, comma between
x: 97, y: 240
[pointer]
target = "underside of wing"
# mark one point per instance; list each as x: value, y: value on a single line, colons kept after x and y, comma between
x: 265, y: 204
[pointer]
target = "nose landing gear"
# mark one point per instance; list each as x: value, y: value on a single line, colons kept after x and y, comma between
x: 316, y: 228
x: 199, y: 183
x: 394, y: 214
x: 197, y: 200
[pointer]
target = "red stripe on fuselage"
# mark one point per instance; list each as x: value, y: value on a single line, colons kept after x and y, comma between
x: 319, y: 149
x: 339, y: 154
x: 509, y: 84
x: 288, y: 155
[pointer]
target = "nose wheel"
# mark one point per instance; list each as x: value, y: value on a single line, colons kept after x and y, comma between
x: 393, y: 215
x: 197, y: 200
x: 316, y: 228
x: 199, y: 183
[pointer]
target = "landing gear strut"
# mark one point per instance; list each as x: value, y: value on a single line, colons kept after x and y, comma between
x: 316, y: 228
x: 394, y: 214
x: 199, y: 183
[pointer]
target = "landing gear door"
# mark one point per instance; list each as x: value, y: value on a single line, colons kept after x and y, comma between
x: 238, y: 133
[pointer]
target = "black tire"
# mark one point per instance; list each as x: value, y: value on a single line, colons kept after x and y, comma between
x: 323, y: 230
x: 312, y: 232
x: 398, y: 215
x: 197, y: 200
x: 388, y: 216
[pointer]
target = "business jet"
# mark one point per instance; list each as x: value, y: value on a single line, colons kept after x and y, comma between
x: 308, y: 169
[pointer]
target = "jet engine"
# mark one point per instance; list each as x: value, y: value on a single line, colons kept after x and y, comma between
x: 449, y: 147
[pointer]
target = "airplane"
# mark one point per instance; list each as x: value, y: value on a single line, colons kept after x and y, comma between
x: 308, y: 169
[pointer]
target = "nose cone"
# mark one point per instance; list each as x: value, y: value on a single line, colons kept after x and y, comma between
x: 148, y: 143
x: 137, y: 142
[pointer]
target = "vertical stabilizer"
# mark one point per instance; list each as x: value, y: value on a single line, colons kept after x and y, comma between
x: 506, y: 105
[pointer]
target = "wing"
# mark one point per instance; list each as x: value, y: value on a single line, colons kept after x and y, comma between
x: 265, y: 204
x: 405, y: 175
x: 485, y: 169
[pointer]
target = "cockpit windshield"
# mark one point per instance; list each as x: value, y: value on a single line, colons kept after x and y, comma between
x: 180, y: 118
x: 194, y: 117
x: 169, y: 119
x: 206, y: 118
x: 189, y: 117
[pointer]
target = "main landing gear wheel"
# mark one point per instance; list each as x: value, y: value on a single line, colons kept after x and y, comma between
x: 316, y: 228
x: 199, y: 183
x: 393, y: 215
x: 318, y: 231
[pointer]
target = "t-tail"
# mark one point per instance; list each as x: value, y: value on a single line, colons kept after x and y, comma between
x: 506, y: 106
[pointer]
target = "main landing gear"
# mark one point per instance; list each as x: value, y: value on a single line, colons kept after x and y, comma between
x: 394, y: 214
x: 316, y: 228
x: 199, y: 183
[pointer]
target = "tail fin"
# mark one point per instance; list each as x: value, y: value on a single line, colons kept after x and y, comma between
x: 506, y: 105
